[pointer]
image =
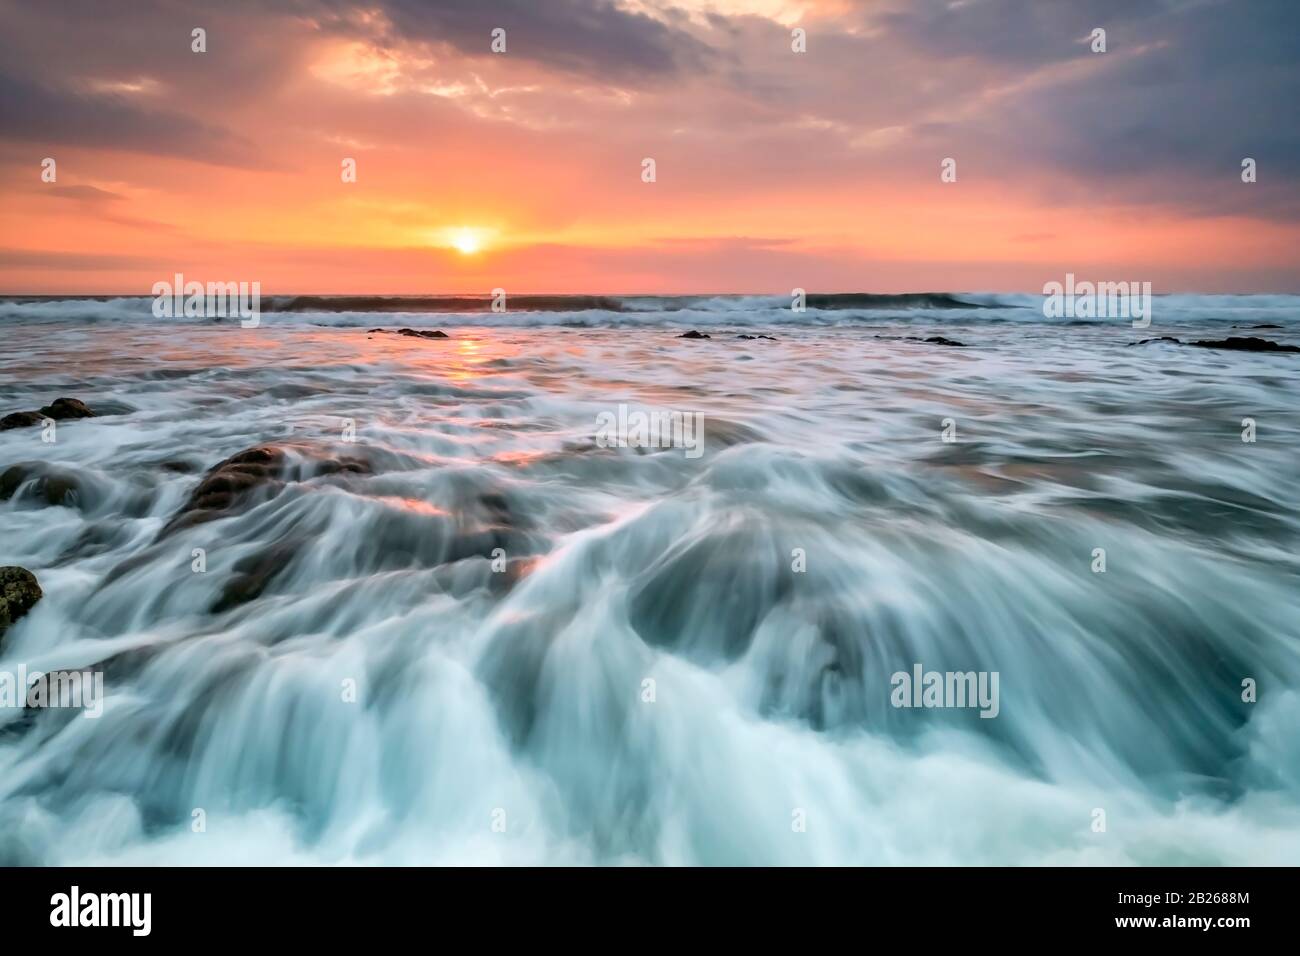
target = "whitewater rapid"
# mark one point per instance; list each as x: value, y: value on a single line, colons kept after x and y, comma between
x: 649, y: 680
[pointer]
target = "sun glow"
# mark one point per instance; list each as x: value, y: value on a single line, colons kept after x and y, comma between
x: 466, y: 241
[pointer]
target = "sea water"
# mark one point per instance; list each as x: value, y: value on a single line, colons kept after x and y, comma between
x: 494, y: 639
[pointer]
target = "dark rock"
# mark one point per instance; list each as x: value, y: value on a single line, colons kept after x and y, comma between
x: 251, y: 475
x: 20, y: 420
x: 11, y: 478
x: 58, y: 488
x: 19, y: 592
x: 1265, y: 325
x: 55, y: 486
x: 1236, y: 344
x: 415, y: 333
x: 62, y: 408
x: 229, y: 484
x: 693, y: 334
x: 933, y: 340
x: 1245, y: 344
x: 59, y: 409
x: 253, y: 573
x: 750, y: 337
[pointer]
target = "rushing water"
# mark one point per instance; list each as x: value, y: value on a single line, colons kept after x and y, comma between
x: 506, y: 715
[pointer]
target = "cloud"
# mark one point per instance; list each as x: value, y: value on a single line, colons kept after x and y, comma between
x: 71, y: 261
x: 1012, y: 32
x: 57, y: 117
x: 1184, y: 92
x: 592, y: 38
x: 83, y: 193
x: 837, y: 148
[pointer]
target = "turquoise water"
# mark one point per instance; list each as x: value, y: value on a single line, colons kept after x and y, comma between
x: 453, y: 627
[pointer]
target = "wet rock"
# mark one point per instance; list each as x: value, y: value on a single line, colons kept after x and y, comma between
x: 414, y: 333
x: 60, y: 409
x: 1163, y: 338
x: 56, y: 487
x: 19, y: 592
x: 20, y: 420
x: 255, y: 474
x: 932, y: 340
x: 59, y: 488
x: 1245, y: 344
x: 11, y: 478
x: 743, y: 335
x: 693, y: 334
x: 1234, y: 343
x: 253, y: 573
x: 229, y: 484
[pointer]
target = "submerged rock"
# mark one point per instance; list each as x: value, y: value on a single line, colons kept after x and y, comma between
x: 253, y: 573
x: 693, y: 334
x: 55, y: 486
x: 1234, y: 343
x: 932, y: 340
x: 231, y: 485
x: 770, y: 338
x: 1245, y: 344
x: 19, y: 592
x: 59, y: 410
x: 21, y: 420
x: 415, y: 333
x: 705, y: 597
x: 227, y: 484
x: 62, y: 408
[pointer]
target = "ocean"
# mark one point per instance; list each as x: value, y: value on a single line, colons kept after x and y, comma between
x: 566, y: 587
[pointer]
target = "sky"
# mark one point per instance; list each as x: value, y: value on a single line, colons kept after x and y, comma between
x: 525, y: 169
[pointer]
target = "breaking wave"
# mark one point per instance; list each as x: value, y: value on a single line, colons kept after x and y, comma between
x: 607, y: 311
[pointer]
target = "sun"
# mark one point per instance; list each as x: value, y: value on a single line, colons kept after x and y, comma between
x: 466, y: 242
